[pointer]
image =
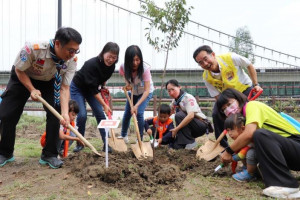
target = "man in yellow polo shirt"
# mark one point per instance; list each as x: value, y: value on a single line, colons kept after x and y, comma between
x: 222, y: 72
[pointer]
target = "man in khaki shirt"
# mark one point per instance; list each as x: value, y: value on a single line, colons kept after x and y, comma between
x: 38, y: 69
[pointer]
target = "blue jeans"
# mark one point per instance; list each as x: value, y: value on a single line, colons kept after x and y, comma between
x: 79, y: 96
x: 140, y: 114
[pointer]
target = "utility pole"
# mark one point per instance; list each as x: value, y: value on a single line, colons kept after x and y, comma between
x: 59, y: 14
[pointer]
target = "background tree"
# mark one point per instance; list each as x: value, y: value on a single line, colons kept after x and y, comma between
x: 242, y: 43
x: 171, y: 22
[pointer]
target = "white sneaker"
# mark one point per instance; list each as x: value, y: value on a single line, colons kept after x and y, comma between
x: 295, y: 195
x: 126, y: 140
x: 281, y: 192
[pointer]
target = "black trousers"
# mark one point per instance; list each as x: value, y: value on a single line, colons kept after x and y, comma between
x: 187, y: 134
x: 11, y: 108
x: 277, y: 155
x: 219, y: 122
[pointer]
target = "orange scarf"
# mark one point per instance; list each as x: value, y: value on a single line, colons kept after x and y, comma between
x: 161, y: 127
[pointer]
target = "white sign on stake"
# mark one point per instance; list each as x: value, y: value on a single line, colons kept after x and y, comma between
x: 109, y: 124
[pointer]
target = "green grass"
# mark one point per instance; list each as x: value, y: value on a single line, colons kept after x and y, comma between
x: 31, y: 148
x: 28, y: 148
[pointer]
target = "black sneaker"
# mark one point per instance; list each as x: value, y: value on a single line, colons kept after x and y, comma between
x: 78, y: 148
x: 52, y: 161
x: 4, y: 160
x: 109, y: 149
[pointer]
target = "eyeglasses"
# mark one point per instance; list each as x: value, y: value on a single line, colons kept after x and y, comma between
x: 72, y: 51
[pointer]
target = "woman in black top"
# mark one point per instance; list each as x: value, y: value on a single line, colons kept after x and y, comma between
x: 85, y: 87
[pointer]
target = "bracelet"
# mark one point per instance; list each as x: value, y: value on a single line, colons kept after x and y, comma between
x: 257, y: 84
x: 229, y: 150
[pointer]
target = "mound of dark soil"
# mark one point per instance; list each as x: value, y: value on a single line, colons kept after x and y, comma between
x: 142, y: 177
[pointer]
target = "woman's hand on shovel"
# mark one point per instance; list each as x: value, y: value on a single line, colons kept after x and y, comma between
x: 107, y: 109
x: 226, y: 158
x: 134, y: 109
x: 174, y: 132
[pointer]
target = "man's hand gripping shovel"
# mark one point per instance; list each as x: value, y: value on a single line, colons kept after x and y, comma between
x: 69, y: 125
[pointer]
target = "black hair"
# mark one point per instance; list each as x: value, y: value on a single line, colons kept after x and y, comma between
x: 165, y: 109
x: 234, y: 120
x: 227, y: 94
x: 130, y: 52
x: 66, y: 34
x: 173, y: 82
x: 202, y: 48
x: 73, y: 106
x: 110, y: 47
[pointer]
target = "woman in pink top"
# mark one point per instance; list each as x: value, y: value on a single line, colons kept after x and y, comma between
x: 138, y: 79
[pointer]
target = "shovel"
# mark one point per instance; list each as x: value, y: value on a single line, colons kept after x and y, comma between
x: 141, y: 149
x: 211, y: 149
x: 113, y: 141
x: 69, y: 125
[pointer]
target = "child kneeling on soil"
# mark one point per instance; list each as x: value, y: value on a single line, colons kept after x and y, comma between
x: 163, y: 124
x: 65, y: 134
x: 235, y: 125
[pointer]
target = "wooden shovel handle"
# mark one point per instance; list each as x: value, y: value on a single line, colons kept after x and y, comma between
x: 134, y: 119
x: 220, y: 138
x: 69, y: 125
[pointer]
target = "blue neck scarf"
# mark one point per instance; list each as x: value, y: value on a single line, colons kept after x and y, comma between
x: 57, y: 83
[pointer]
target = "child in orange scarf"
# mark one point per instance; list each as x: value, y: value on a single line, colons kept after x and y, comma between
x: 163, y: 124
x: 65, y: 134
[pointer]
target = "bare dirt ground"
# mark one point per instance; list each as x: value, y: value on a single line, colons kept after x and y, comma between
x: 175, y: 175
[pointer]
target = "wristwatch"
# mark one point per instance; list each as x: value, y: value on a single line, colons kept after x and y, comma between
x: 229, y: 150
x: 256, y: 84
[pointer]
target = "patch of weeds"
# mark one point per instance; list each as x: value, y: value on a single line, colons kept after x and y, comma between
x: 122, y: 175
x: 27, y: 148
x: 96, y: 142
x: 193, y: 181
x: 18, y: 186
x: 184, y: 167
x: 53, y: 196
x: 41, y: 128
x: 92, y: 121
x: 114, y: 194
x: 132, y: 168
x: 259, y: 184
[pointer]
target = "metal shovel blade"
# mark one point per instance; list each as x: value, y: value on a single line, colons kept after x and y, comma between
x: 211, y: 149
x: 118, y: 144
x: 145, y: 147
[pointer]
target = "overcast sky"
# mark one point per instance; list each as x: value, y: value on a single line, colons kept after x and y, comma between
x: 274, y: 24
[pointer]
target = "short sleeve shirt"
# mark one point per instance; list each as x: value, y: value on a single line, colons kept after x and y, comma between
x: 189, y: 104
x: 239, y: 62
x: 267, y: 118
x: 138, y: 85
x: 36, y: 61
